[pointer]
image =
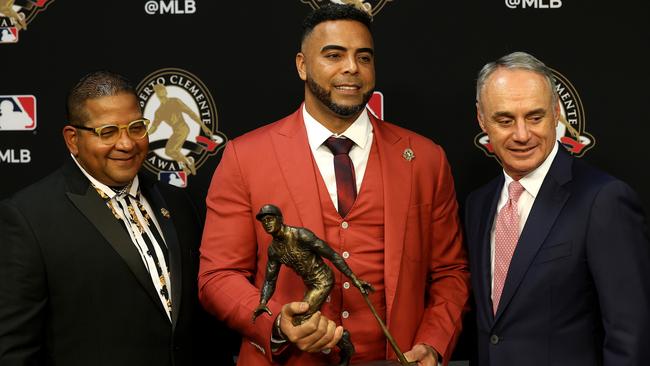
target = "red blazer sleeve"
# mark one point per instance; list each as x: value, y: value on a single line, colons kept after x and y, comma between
x: 229, y: 254
x: 448, y: 273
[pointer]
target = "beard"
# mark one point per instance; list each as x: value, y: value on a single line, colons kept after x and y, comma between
x: 325, y: 97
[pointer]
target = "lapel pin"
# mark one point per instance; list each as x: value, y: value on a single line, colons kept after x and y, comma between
x: 408, y: 154
x: 165, y: 213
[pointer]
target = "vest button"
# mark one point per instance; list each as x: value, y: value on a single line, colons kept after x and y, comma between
x: 345, y: 255
x: 346, y: 285
x: 494, y: 339
x: 345, y: 224
x: 345, y: 314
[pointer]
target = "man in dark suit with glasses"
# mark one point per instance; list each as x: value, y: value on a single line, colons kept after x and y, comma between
x: 98, y: 264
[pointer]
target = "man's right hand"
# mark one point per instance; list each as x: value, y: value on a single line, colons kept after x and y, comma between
x: 315, y: 334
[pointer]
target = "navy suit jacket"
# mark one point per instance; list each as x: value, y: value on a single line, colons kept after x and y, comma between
x: 578, y: 287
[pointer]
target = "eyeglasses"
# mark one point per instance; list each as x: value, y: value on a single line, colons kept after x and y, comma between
x: 109, y: 134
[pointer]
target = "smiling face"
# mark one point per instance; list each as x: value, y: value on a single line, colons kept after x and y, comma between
x: 115, y: 164
x: 517, y: 112
x: 337, y: 64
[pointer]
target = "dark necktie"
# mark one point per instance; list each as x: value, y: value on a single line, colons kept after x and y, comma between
x: 346, y: 186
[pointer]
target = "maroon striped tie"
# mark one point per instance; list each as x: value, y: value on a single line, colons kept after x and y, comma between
x: 346, y: 186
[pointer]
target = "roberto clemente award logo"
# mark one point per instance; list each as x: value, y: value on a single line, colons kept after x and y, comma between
x: 16, y: 15
x: 570, y: 130
x: 183, y: 132
x: 372, y: 7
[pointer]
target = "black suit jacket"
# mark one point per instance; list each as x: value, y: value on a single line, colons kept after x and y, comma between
x: 74, y: 290
x: 578, y: 287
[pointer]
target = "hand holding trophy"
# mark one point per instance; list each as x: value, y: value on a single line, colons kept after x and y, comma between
x: 303, y: 252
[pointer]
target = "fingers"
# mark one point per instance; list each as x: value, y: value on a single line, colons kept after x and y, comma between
x: 315, y: 334
x: 338, y: 333
x: 322, y: 336
x: 294, y: 308
x: 422, y: 355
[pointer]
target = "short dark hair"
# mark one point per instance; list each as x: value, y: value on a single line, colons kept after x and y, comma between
x: 333, y: 11
x: 94, y: 85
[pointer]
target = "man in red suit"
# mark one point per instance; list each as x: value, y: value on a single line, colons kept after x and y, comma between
x: 398, y: 229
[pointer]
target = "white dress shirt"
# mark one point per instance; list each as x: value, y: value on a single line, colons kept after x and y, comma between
x: 118, y: 204
x: 360, y: 132
x: 532, y: 182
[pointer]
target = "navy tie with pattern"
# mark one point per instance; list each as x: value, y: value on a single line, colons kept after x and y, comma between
x: 346, y: 186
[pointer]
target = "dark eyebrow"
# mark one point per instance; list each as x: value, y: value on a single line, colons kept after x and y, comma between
x: 341, y: 48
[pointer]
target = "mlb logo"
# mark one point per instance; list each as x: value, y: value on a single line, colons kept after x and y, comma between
x: 178, y: 179
x: 17, y: 112
x: 376, y: 105
x: 8, y: 35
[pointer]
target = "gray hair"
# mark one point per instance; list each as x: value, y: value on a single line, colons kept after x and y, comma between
x: 516, y: 60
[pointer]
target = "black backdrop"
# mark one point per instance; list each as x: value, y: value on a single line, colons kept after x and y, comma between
x: 428, y: 54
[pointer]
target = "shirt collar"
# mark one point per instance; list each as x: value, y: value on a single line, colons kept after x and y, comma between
x: 532, y: 182
x: 133, y: 190
x: 358, y: 132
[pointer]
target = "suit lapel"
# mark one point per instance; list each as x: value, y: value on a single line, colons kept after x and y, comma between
x: 85, y: 198
x: 170, y: 236
x: 548, y: 204
x: 397, y: 176
x: 294, y: 157
x: 488, y: 207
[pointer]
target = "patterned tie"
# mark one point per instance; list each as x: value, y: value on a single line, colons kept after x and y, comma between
x: 346, y: 186
x: 506, y: 235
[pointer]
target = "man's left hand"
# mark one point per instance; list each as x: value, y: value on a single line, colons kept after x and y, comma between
x: 422, y: 354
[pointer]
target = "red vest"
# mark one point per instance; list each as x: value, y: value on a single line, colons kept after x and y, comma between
x: 359, y: 238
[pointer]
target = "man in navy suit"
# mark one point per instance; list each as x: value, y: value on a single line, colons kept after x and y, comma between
x: 559, y: 251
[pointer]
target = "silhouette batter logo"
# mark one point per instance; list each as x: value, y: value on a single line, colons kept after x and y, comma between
x: 16, y: 15
x: 17, y: 112
x: 570, y: 130
x: 183, y: 132
x: 372, y: 7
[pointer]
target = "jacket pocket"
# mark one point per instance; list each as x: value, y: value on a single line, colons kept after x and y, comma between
x: 553, y: 252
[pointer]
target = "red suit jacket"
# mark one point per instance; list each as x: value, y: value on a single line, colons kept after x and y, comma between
x: 425, y: 269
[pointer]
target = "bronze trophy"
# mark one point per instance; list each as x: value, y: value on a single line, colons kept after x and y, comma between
x: 302, y: 251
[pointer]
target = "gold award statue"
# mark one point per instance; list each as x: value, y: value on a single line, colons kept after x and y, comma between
x: 171, y: 111
x: 303, y: 252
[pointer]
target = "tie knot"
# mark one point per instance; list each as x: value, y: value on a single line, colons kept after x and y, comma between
x: 338, y: 146
x: 515, y: 189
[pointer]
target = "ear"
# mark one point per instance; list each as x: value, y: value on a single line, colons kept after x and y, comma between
x: 479, y: 117
x: 300, y: 66
x: 70, y: 136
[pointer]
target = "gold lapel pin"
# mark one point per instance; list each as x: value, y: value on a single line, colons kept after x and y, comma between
x: 408, y: 154
x: 165, y: 213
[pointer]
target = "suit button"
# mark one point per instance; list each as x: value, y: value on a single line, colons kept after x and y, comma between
x: 494, y: 339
